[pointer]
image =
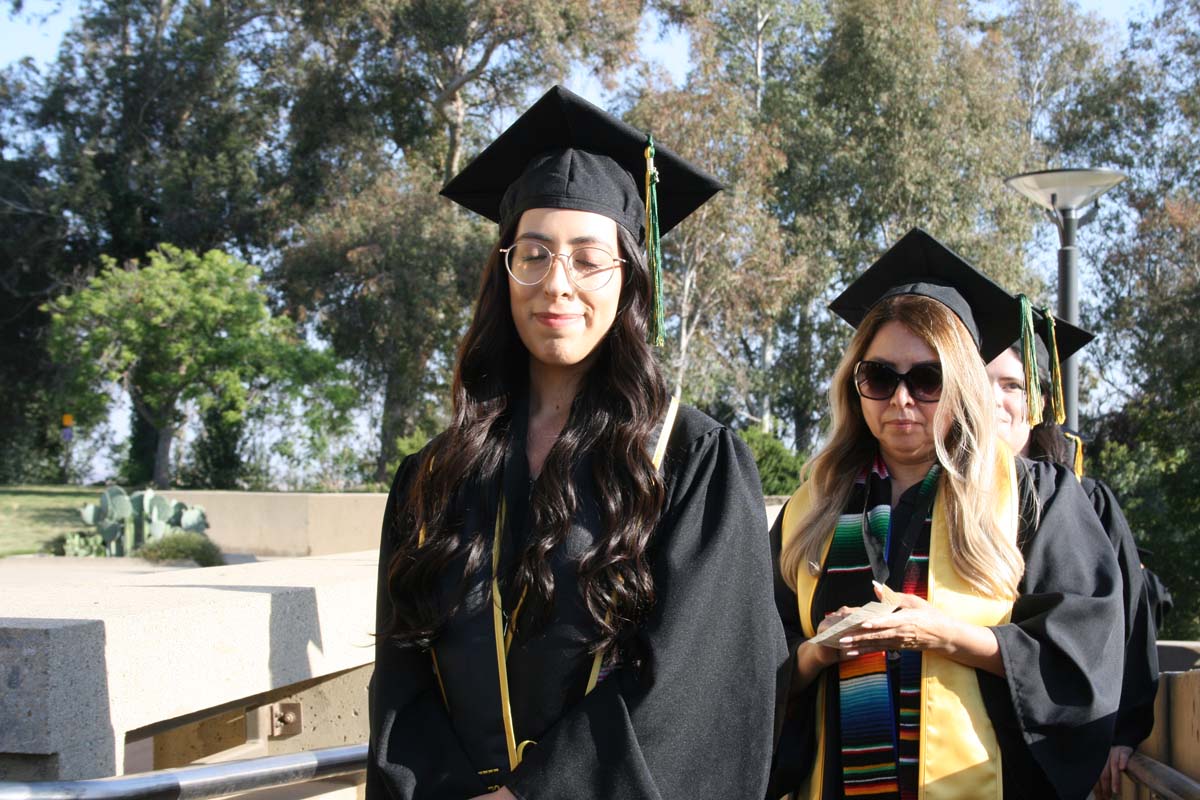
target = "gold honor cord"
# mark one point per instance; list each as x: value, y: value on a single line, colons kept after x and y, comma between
x: 504, y: 638
x: 660, y: 452
x: 516, y: 751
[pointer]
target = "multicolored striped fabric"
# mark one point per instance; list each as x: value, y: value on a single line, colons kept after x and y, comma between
x: 876, y: 762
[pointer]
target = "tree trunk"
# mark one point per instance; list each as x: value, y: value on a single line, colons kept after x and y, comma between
x: 162, y: 457
x: 397, y: 421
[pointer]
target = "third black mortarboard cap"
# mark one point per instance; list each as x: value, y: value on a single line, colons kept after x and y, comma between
x: 920, y: 264
x: 564, y: 152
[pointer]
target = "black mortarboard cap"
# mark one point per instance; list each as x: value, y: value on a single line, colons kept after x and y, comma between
x: 564, y: 152
x: 920, y: 264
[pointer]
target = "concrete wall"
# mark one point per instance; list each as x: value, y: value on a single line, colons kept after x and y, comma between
x: 290, y: 523
x: 91, y: 654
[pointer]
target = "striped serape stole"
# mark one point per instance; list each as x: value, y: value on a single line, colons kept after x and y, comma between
x: 878, y: 761
x: 915, y: 581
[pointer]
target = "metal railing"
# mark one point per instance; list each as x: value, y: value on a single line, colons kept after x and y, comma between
x: 1161, y: 780
x: 201, y: 781
x: 206, y: 781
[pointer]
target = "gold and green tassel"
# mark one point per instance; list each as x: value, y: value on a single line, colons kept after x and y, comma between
x: 654, y: 248
x: 1033, y: 388
x: 1057, y: 405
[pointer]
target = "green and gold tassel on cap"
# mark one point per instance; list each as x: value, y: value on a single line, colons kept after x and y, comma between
x: 653, y: 247
x: 1058, y: 408
x: 1057, y: 405
x: 1033, y: 388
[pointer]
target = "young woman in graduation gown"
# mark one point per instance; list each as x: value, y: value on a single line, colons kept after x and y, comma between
x: 574, y: 587
x: 999, y: 674
x: 1041, y: 436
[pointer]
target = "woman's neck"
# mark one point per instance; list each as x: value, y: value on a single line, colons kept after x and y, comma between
x: 552, y: 390
x: 905, y: 475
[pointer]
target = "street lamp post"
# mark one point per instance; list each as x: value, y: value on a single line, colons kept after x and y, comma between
x: 1063, y: 192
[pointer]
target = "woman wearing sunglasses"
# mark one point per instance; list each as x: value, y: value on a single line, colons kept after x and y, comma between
x: 999, y: 672
x: 574, y: 590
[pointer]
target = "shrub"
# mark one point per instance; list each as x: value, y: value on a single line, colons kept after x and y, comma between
x: 183, y: 545
x: 778, y: 466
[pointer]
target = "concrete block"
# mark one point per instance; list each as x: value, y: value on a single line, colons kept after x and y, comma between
x: 113, y: 652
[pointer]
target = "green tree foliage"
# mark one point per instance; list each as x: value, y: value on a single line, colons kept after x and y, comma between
x: 390, y: 273
x: 898, y: 114
x: 778, y: 467
x: 181, y: 328
x: 727, y: 268
x: 158, y: 122
x: 1141, y: 115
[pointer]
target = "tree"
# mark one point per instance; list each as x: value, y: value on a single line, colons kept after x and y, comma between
x: 727, y: 268
x: 1052, y: 43
x: 179, y: 328
x: 899, y: 115
x: 158, y: 122
x: 391, y: 273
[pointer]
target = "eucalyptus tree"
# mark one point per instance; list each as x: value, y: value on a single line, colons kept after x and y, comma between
x: 899, y: 115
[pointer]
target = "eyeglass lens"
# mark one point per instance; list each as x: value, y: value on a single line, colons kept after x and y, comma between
x: 589, y: 268
x: 877, y: 381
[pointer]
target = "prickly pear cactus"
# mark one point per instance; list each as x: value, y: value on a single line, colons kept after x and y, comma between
x: 124, y: 523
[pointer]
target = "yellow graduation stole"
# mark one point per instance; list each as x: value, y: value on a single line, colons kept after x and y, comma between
x: 959, y: 755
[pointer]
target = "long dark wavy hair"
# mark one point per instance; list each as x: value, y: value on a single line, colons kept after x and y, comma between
x: 620, y: 402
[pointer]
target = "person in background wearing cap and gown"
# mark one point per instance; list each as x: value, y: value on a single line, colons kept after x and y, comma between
x: 1029, y: 413
x: 999, y: 674
x: 575, y: 579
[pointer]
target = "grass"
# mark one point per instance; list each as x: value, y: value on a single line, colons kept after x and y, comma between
x: 30, y: 515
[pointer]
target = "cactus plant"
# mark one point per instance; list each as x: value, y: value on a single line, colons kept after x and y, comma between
x: 125, y: 523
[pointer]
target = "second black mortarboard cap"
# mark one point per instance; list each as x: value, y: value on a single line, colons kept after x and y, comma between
x: 920, y: 264
x: 564, y: 152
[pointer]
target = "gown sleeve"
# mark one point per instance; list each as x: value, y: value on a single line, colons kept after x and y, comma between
x: 695, y: 719
x: 1135, y: 719
x: 413, y: 753
x: 796, y: 710
x: 1055, y: 709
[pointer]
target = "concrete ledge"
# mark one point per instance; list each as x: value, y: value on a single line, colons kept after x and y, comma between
x: 96, y: 654
x: 290, y: 524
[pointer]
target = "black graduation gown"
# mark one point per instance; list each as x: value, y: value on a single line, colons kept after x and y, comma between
x: 1054, y: 711
x: 688, y: 715
x: 1135, y: 719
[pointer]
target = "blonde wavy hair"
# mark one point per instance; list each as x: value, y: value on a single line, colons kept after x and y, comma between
x: 982, y: 546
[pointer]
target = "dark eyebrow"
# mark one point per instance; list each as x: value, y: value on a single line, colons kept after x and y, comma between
x: 541, y: 237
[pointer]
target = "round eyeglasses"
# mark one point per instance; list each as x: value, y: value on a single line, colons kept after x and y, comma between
x: 588, y: 268
x: 878, y: 381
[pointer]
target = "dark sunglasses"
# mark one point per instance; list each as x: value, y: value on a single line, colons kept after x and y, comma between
x: 876, y: 381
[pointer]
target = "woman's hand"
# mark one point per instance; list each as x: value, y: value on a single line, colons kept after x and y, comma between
x: 917, y: 625
x: 500, y: 794
x: 1109, y: 784
x: 812, y: 659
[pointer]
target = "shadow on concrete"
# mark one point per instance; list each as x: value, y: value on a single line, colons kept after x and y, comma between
x: 55, y: 714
